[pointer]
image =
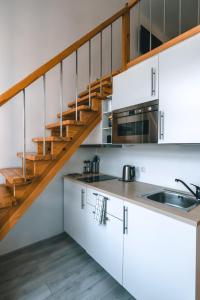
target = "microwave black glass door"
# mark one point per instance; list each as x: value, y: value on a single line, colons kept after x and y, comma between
x: 137, y: 128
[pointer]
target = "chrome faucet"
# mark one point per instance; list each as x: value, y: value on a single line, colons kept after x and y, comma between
x: 195, y: 194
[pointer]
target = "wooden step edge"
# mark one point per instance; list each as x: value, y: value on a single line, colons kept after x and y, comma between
x: 36, y: 156
x: 65, y: 123
x: 20, y: 180
x: 95, y: 87
x: 95, y: 96
x: 105, y: 77
x: 37, y: 188
x: 55, y: 139
x: 73, y: 110
x: 83, y: 99
x: 96, y: 83
x: 15, y: 175
x: 6, y: 198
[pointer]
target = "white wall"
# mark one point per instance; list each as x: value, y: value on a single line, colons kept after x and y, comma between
x: 156, y: 164
x: 32, y: 32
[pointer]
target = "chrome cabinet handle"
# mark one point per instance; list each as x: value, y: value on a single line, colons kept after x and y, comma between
x: 82, y: 198
x: 153, y: 82
x: 95, y: 194
x: 105, y: 210
x: 125, y: 220
x: 161, y: 125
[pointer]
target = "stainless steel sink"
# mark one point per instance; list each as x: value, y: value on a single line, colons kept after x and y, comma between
x: 179, y: 200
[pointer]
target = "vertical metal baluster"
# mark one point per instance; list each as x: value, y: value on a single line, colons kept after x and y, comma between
x: 24, y: 134
x: 44, y: 115
x: 76, y: 85
x: 138, y: 36
x: 198, y: 13
x: 180, y: 16
x: 111, y: 51
x: 90, y: 72
x: 61, y: 98
x: 164, y: 19
x: 101, y: 60
x: 150, y: 31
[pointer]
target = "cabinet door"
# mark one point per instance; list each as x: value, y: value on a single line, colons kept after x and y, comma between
x: 74, y: 211
x: 159, y: 256
x: 136, y: 85
x: 114, y: 205
x: 105, y: 243
x: 179, y: 82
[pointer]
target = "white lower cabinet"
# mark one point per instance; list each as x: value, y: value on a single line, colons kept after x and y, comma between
x: 75, y: 211
x: 105, y: 242
x: 159, y: 256
x: 152, y: 255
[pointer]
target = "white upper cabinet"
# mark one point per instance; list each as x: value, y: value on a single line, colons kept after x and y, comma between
x: 179, y: 93
x: 136, y: 85
x: 159, y: 256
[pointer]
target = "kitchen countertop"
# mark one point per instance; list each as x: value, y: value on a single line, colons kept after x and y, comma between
x: 132, y: 192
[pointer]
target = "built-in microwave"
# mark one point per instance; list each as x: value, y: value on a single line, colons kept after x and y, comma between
x: 136, y: 124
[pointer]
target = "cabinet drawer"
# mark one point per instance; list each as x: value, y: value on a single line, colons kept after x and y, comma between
x: 114, y: 205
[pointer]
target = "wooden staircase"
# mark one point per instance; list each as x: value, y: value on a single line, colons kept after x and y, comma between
x: 23, y: 185
x: 20, y: 190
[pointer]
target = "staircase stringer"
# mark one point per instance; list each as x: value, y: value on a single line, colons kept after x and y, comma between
x: 38, y: 185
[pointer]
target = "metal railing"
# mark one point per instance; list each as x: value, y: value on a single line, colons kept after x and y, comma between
x: 145, y: 9
x: 44, y: 78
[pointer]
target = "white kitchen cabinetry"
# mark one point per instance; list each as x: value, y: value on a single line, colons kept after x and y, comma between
x: 179, y: 85
x: 136, y: 85
x: 105, y: 241
x: 75, y: 211
x: 159, y: 256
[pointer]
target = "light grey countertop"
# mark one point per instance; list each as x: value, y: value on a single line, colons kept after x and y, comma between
x: 133, y: 192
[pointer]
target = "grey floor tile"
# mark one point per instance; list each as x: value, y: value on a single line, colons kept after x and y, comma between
x: 56, y: 269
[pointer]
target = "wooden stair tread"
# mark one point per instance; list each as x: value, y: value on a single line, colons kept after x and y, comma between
x: 65, y: 123
x: 96, y: 87
x: 6, y: 198
x: 106, y: 77
x: 52, y: 139
x: 85, y: 99
x: 5, y: 214
x: 73, y: 110
x: 36, y: 157
x: 15, y: 175
x: 32, y: 189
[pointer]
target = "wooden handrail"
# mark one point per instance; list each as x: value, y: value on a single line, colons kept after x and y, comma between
x: 132, y: 3
x: 24, y: 83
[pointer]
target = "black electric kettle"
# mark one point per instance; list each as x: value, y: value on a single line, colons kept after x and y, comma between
x: 128, y: 173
